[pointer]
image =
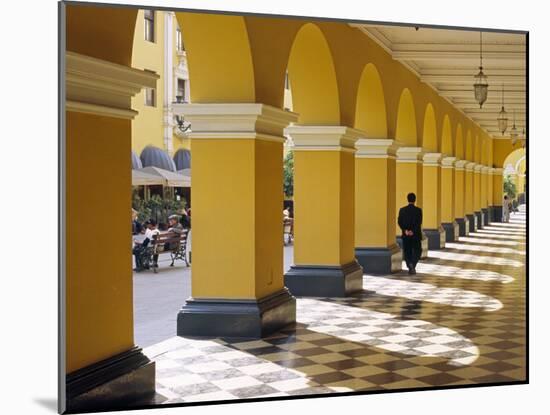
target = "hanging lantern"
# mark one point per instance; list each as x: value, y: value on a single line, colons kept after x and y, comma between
x: 514, y: 132
x: 502, y: 116
x: 481, y: 86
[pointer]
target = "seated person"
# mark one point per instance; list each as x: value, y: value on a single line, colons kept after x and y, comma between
x: 150, y: 232
x: 176, y: 228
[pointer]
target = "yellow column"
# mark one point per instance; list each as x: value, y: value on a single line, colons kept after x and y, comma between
x: 477, y: 195
x: 375, y: 246
x: 324, y: 212
x: 484, y: 204
x: 408, y: 178
x: 431, y: 200
x: 96, y: 267
x: 460, y: 198
x: 490, y: 203
x: 469, y: 196
x: 237, y: 270
x: 498, y: 193
x: 448, y: 199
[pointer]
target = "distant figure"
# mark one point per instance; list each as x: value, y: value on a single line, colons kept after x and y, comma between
x: 410, y: 222
x: 506, y: 209
x: 139, y: 249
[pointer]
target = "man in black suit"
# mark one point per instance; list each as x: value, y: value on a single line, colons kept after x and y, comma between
x: 410, y: 222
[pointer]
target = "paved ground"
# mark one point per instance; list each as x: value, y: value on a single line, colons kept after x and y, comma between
x: 158, y: 298
x: 459, y: 321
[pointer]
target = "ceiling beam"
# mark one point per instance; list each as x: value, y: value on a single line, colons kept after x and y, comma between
x: 469, y: 79
x: 470, y: 93
x: 442, y: 55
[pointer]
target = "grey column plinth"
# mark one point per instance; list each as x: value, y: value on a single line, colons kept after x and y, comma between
x: 436, y: 238
x: 237, y: 318
x: 451, y: 231
x: 479, y: 219
x: 324, y: 280
x: 383, y: 260
x: 118, y: 382
x: 463, y: 226
x: 485, y: 213
x: 497, y: 213
x: 472, y: 222
x: 424, y: 244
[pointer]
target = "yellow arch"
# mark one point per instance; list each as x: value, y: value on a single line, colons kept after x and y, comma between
x: 447, y: 137
x: 219, y: 58
x: 469, y: 148
x: 514, y: 157
x: 313, y: 78
x: 477, y: 149
x: 370, y: 110
x: 429, y: 134
x: 101, y: 32
x: 459, y: 143
x: 405, y: 130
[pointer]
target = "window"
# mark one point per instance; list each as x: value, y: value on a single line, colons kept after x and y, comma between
x: 179, y: 41
x: 149, y: 25
x: 150, y: 97
x: 181, y: 89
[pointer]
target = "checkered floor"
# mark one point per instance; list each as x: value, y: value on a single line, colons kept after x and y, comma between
x: 460, y: 320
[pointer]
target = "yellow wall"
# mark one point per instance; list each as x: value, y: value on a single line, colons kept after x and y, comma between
x: 459, y: 193
x: 236, y: 202
x: 477, y: 191
x: 323, y: 207
x: 431, y: 197
x: 147, y: 127
x: 469, y: 192
x: 99, y: 264
x: 374, y: 202
x: 447, y: 195
x: 498, y: 190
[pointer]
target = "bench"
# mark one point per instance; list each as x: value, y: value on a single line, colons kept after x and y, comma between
x: 166, y: 243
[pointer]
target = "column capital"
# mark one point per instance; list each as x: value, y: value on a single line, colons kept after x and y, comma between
x: 485, y: 169
x: 375, y: 148
x: 432, y: 159
x: 478, y: 167
x: 448, y: 162
x: 498, y: 171
x: 460, y: 164
x: 409, y: 154
x: 99, y: 87
x: 469, y: 166
x: 235, y: 121
x: 323, y: 137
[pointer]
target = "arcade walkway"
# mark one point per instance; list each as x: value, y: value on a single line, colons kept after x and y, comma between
x: 460, y: 320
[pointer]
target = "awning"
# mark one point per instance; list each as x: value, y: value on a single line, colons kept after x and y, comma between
x: 171, y: 179
x: 155, y: 157
x: 141, y: 178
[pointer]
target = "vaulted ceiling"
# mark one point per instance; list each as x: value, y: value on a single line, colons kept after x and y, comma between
x: 447, y: 60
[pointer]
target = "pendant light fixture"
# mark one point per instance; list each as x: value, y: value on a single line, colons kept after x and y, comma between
x: 481, y: 86
x: 502, y: 116
x: 514, y: 132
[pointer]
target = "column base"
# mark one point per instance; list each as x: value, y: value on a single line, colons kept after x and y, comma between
x: 436, y: 238
x: 324, y: 280
x: 485, y: 212
x: 472, y: 222
x: 383, y: 260
x: 423, y: 242
x: 237, y: 318
x: 497, y: 213
x: 479, y: 219
x: 451, y: 231
x: 119, y: 382
x: 463, y: 226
